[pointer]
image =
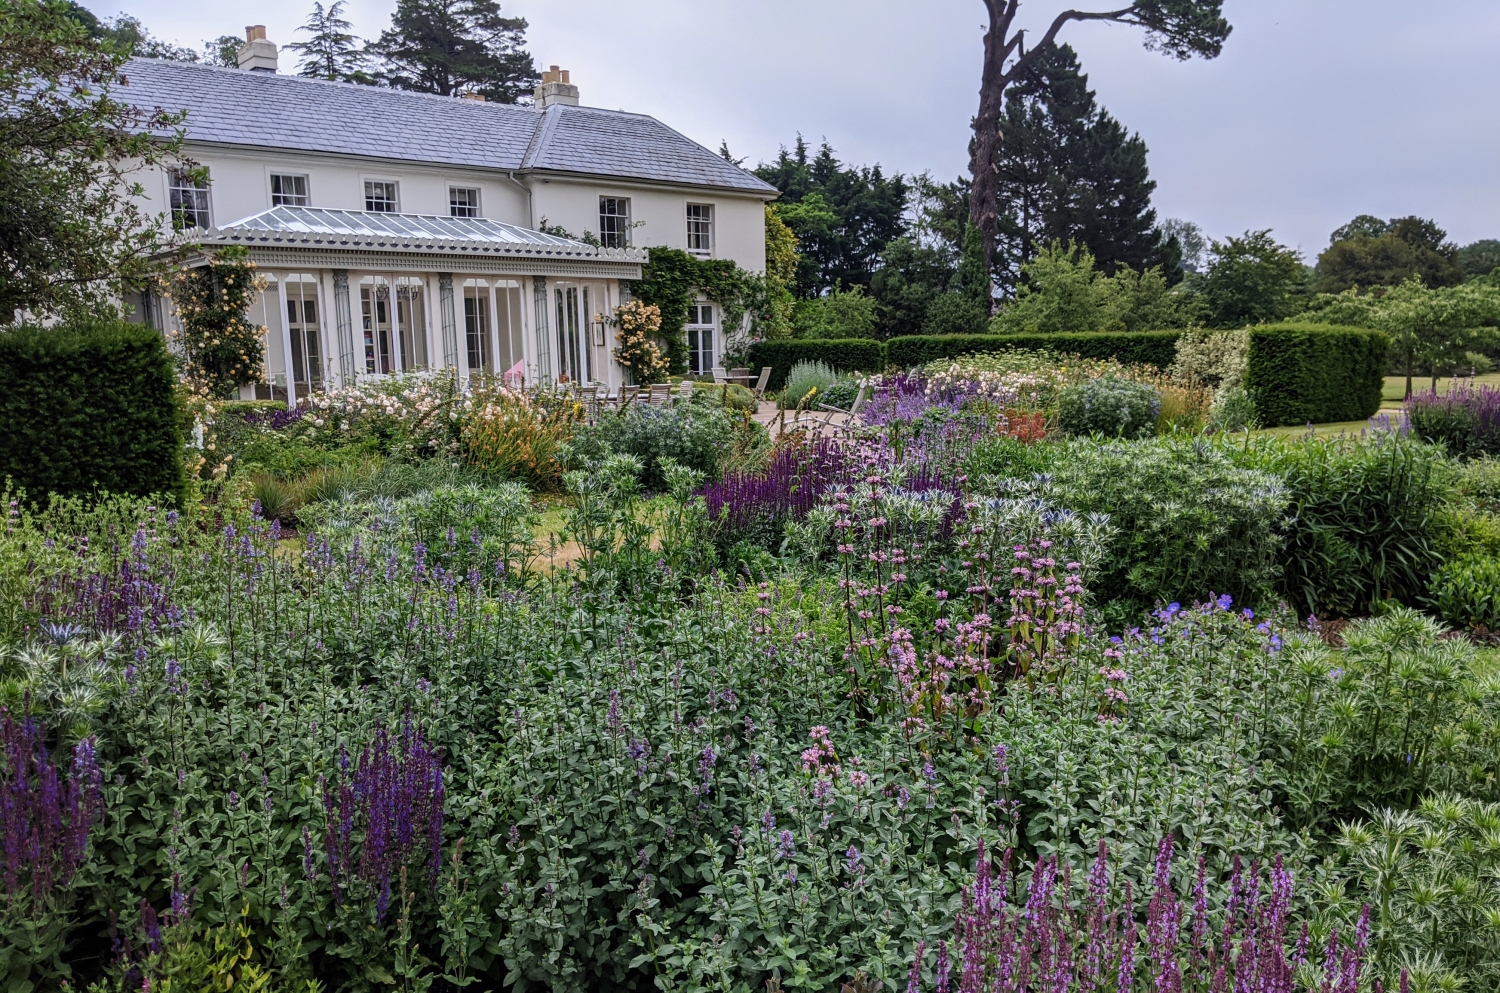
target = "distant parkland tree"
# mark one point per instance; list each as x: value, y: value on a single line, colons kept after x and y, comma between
x: 1180, y: 28
x: 331, y: 50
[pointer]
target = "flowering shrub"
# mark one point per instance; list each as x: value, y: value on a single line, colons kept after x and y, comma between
x: 697, y: 435
x: 517, y: 435
x: 1465, y: 420
x: 220, y: 347
x: 415, y: 416
x: 635, y: 345
x: 1114, y: 408
x: 756, y: 507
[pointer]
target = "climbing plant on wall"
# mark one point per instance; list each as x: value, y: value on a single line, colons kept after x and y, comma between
x: 673, y: 279
x: 222, y: 350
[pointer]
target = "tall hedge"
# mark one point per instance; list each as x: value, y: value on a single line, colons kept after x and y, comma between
x: 842, y: 354
x: 90, y: 407
x: 1315, y: 373
x: 1156, y: 348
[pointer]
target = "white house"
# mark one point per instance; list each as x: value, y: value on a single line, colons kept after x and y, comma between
x: 401, y: 232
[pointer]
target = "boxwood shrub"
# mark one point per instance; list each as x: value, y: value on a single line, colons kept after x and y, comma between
x: 1315, y: 373
x: 841, y: 354
x: 90, y: 407
x: 1156, y: 348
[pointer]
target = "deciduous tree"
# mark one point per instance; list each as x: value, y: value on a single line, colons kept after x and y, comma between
x: 1180, y: 28
x: 1251, y: 279
x: 1370, y: 252
x: 73, y: 235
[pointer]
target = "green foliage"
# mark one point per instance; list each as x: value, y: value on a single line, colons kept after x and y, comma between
x: 910, y: 277
x: 1113, y: 408
x: 1481, y: 258
x: 1315, y: 374
x: 843, y: 216
x: 1156, y: 348
x: 803, y: 379
x: 775, y: 321
x: 1364, y: 521
x: 1466, y: 592
x: 331, y: 50
x: 222, y: 349
x: 849, y: 355
x: 1190, y: 524
x: 841, y: 314
x: 954, y: 313
x: 671, y: 282
x: 1369, y: 252
x: 90, y: 407
x: 697, y: 435
x: 1065, y: 292
x: 74, y: 232
x: 454, y: 47
x: 1251, y: 279
x: 1067, y: 171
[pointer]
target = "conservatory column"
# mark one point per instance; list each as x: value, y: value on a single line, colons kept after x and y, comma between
x: 543, y: 346
x: 449, y: 318
x: 343, y: 317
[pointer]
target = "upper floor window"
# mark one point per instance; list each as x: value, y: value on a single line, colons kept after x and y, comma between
x: 288, y: 191
x: 380, y: 197
x: 614, y: 222
x: 188, y: 197
x: 463, y: 201
x: 700, y: 228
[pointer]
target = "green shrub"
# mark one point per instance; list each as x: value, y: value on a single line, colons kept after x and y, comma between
x: 803, y: 379
x: 90, y: 407
x: 1233, y: 410
x: 1364, y: 522
x: 1115, y: 408
x: 697, y: 435
x: 1310, y: 373
x: 1158, y: 348
x: 955, y: 313
x: 1478, y: 481
x: 1191, y: 523
x: 1466, y: 592
x: 841, y: 355
x: 841, y: 314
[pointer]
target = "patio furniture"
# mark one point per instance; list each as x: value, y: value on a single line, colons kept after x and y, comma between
x: 740, y: 377
x: 684, y: 390
x: 628, y: 395
x: 660, y: 395
x: 760, y: 385
x: 720, y: 376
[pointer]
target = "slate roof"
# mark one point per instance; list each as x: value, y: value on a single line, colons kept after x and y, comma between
x: 318, y: 227
x: 271, y: 110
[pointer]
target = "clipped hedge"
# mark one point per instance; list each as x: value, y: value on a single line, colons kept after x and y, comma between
x: 88, y: 408
x: 1156, y: 348
x: 843, y: 354
x: 1315, y: 373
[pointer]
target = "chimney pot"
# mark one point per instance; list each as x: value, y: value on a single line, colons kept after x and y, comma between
x: 257, y: 54
x: 556, y: 88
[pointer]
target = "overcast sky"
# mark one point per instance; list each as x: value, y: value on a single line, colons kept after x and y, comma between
x: 1318, y: 110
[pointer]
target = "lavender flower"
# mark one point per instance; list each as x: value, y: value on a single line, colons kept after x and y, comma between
x: 44, y: 826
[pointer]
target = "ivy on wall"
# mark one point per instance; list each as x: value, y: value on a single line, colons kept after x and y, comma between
x: 674, y: 279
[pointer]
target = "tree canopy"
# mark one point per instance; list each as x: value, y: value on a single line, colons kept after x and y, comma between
x: 73, y: 235
x: 456, y: 47
x: 1064, y: 291
x: 331, y: 50
x: 1068, y: 171
x: 1481, y: 258
x: 1251, y: 279
x: 843, y: 216
x: 1180, y: 28
x: 1370, y: 252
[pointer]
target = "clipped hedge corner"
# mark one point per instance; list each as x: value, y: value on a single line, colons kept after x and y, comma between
x: 90, y: 407
x: 1156, y: 348
x: 843, y: 354
x: 1315, y: 373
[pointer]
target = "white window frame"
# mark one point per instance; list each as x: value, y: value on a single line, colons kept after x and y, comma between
x: 395, y: 186
x: 623, y: 233
x: 305, y: 195
x: 703, y: 233
x: 695, y: 329
x: 178, y: 184
x: 478, y: 206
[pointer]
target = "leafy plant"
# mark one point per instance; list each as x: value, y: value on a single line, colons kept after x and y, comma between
x: 804, y: 378
x: 1114, y: 408
x: 1466, y: 592
x: 695, y: 434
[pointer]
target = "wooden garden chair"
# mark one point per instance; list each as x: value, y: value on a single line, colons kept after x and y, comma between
x: 660, y: 395
x: 760, y: 385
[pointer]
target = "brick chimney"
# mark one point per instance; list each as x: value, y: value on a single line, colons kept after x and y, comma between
x: 555, y: 88
x: 258, y: 54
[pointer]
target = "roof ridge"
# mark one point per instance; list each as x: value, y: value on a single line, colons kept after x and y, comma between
x: 319, y: 81
x: 546, y: 124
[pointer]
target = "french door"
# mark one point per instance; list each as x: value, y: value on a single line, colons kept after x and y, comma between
x: 576, y: 334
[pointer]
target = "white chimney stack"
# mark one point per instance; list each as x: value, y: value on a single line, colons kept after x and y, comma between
x: 555, y: 88
x: 258, y: 54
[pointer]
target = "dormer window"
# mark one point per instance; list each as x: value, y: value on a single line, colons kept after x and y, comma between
x: 380, y: 197
x: 188, y: 198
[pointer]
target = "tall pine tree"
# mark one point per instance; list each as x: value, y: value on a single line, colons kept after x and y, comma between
x: 456, y: 47
x: 1070, y: 172
x: 331, y: 50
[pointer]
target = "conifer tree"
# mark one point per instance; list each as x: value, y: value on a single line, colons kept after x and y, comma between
x: 456, y: 47
x: 331, y: 50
